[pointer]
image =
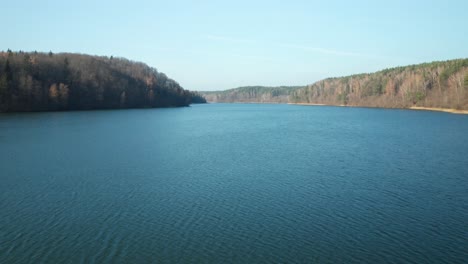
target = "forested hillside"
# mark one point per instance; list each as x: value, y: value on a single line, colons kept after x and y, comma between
x: 66, y: 81
x: 251, y: 94
x: 437, y: 84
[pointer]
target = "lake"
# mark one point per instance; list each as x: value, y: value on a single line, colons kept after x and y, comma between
x: 234, y: 183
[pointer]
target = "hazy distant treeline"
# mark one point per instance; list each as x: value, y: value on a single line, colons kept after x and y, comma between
x: 252, y: 94
x: 31, y: 81
x: 437, y: 84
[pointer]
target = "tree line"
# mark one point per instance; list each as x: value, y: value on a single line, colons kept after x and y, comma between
x: 441, y: 84
x: 33, y: 81
x: 252, y: 94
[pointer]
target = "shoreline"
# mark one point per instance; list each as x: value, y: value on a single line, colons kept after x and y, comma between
x: 417, y: 108
x: 311, y: 104
x: 438, y: 109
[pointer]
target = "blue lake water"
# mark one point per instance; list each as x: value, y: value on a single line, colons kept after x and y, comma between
x: 234, y: 183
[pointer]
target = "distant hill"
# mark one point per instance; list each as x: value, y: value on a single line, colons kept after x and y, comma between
x: 442, y: 84
x: 252, y: 94
x: 31, y: 81
x: 437, y: 84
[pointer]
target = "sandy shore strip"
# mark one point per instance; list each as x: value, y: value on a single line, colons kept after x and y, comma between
x: 447, y: 110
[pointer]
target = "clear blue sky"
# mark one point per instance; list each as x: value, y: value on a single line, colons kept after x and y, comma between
x: 213, y: 45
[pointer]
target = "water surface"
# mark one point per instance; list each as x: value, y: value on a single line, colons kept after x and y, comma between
x: 240, y: 183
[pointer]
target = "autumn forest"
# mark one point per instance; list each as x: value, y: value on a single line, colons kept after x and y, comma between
x: 437, y: 84
x: 32, y: 81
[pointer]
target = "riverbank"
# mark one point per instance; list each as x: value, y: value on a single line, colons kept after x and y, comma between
x: 308, y: 104
x: 447, y: 110
x: 437, y: 109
